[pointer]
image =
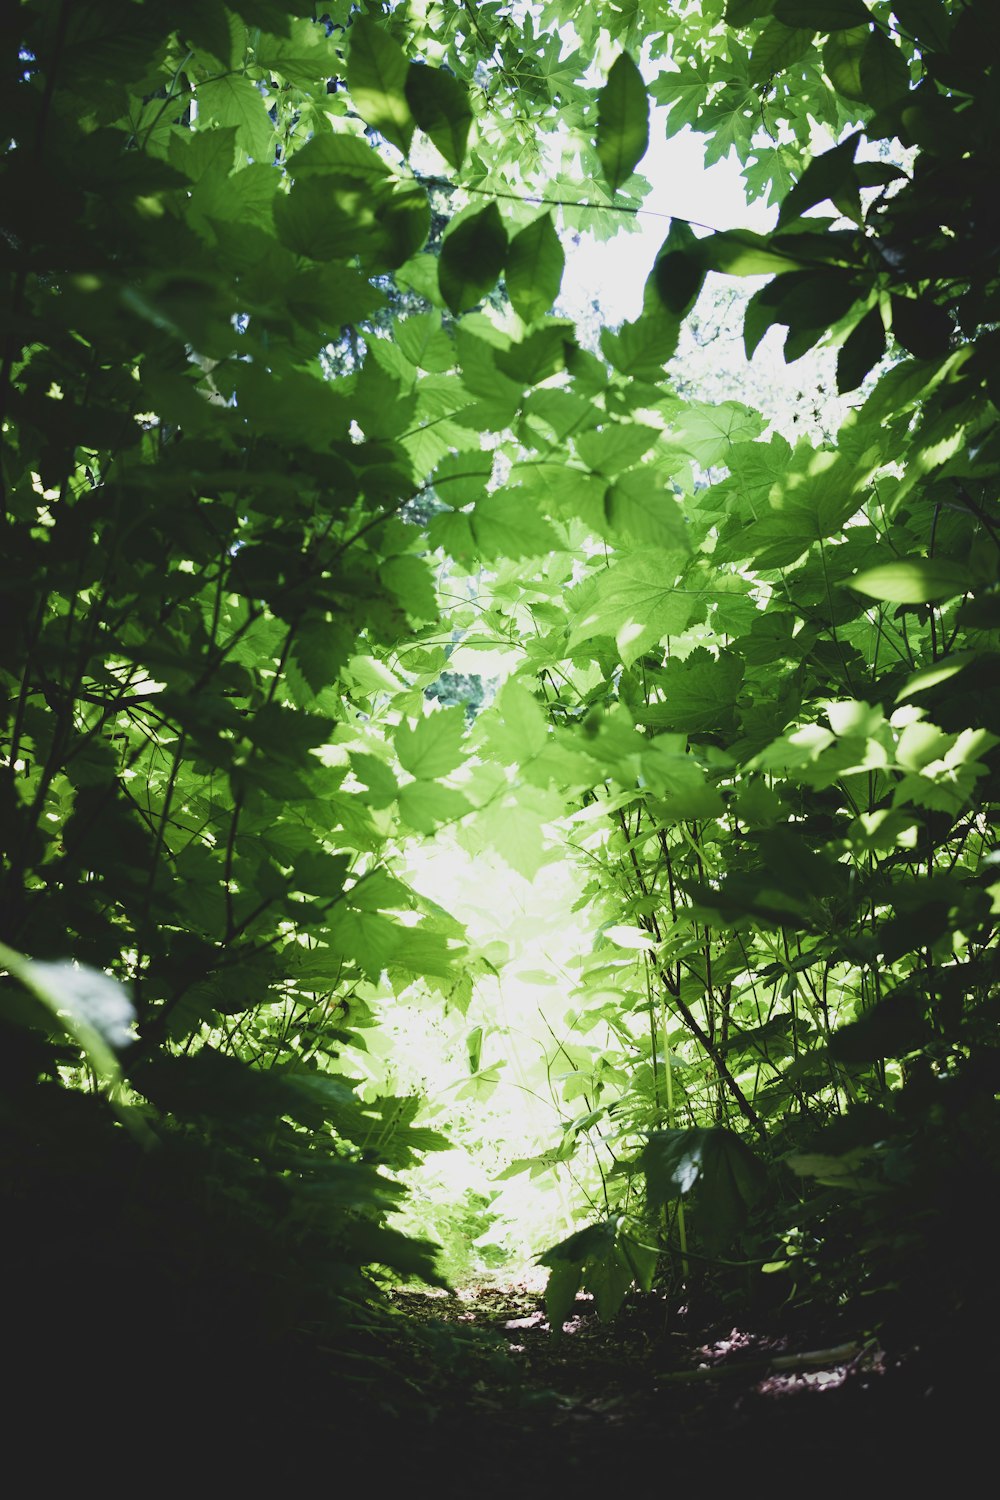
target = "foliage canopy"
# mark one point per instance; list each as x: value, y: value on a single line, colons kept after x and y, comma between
x: 279, y: 346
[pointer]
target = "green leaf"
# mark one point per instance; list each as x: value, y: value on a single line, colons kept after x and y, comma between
x: 918, y: 580
x: 699, y: 693
x: 778, y: 47
x: 517, y: 726
x: 424, y: 342
x: 923, y: 328
x: 560, y: 1292
x: 319, y: 650
x: 825, y: 177
x: 729, y: 1178
x: 324, y: 219
x: 319, y: 874
x: 508, y: 524
x: 861, y: 351
x: 642, y: 348
x: 927, y: 21
x: 635, y: 601
x: 885, y: 76
x: 679, y: 270
x: 641, y: 505
x: 535, y: 358
x: 234, y: 100
x: 616, y: 446
x: 411, y: 582
x: 339, y: 154
x: 434, y: 746
x: 622, y: 122
x: 842, y: 56
x: 377, y: 72
x: 440, y: 105
x: 740, y: 252
x: 472, y: 257
x: 741, y: 13
x: 91, y: 1006
x: 301, y: 57
x: 425, y: 806
x: 822, y: 15
x: 534, y: 269
x: 892, y: 1027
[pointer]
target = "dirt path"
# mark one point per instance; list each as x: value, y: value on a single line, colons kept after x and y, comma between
x: 658, y: 1391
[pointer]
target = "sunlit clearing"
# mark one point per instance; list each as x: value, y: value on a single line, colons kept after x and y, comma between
x: 493, y: 1077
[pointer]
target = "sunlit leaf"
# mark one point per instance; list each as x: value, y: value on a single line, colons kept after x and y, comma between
x: 377, y: 72
x: 917, y: 580
x: 622, y: 121
x: 434, y: 745
x: 440, y: 106
x: 534, y: 268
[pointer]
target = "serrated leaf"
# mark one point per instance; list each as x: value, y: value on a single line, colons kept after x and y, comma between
x: 424, y: 342
x: 320, y: 649
x: 339, y: 154
x: 622, y: 122
x: 377, y: 71
x: 462, y: 477
x: 917, y: 580
x: 861, y: 351
x: 641, y: 505
x: 535, y: 358
x: 777, y: 48
x: 434, y: 746
x: 324, y: 219
x: 516, y: 725
x: 234, y: 100
x: 440, y: 105
x: 699, y: 693
x: 301, y: 57
x: 643, y: 347
x: 635, y: 601
x: 534, y: 269
x: 425, y: 805
x: 508, y: 524
x: 472, y: 257
x: 410, y: 581
x: 319, y: 874
x: 616, y: 446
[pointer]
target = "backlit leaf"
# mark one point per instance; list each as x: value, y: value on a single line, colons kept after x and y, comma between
x: 440, y: 105
x: 918, y: 580
x: 534, y: 268
x: 622, y: 121
x: 434, y: 746
x: 377, y: 72
x: 472, y: 258
x: 842, y: 56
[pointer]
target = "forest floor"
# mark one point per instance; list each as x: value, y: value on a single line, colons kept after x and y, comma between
x: 677, y: 1393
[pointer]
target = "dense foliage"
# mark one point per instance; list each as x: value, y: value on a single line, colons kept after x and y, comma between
x: 255, y: 407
